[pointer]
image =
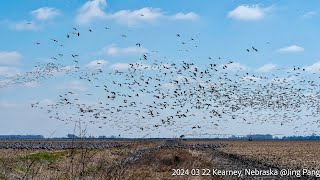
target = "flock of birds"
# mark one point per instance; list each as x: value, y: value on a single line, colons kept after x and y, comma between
x: 158, y: 94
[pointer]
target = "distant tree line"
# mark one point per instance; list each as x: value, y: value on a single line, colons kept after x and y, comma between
x: 270, y: 137
x: 21, y: 137
x: 233, y: 137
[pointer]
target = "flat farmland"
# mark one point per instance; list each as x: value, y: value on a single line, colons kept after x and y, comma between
x: 155, y: 159
x: 283, y: 154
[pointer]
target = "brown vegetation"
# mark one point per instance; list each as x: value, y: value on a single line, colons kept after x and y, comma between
x: 155, y: 159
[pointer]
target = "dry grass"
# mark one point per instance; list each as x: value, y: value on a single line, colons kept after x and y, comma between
x: 98, y: 164
x: 159, y: 165
x: 65, y: 164
x: 156, y: 164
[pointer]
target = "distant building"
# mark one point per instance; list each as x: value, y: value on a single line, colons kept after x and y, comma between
x: 72, y: 136
x: 260, y: 137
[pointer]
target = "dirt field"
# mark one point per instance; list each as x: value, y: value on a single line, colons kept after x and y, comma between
x: 165, y: 160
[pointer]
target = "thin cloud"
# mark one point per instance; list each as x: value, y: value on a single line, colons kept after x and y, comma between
x: 248, y: 13
x: 291, y: 49
x: 31, y: 84
x: 144, y: 15
x: 234, y: 66
x: 313, y: 68
x: 96, y: 64
x: 117, y: 51
x: 148, y: 15
x: 186, y: 16
x: 45, y: 13
x: 136, y: 65
x: 251, y: 78
x: 120, y: 66
x: 7, y: 104
x: 90, y: 11
x: 10, y: 58
x: 46, y: 102
x: 39, y: 16
x: 94, y: 10
x: 309, y: 14
x: 73, y: 86
x: 24, y: 25
x: 6, y: 71
x: 267, y: 68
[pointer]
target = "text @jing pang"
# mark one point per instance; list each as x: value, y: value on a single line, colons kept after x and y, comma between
x: 245, y: 172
